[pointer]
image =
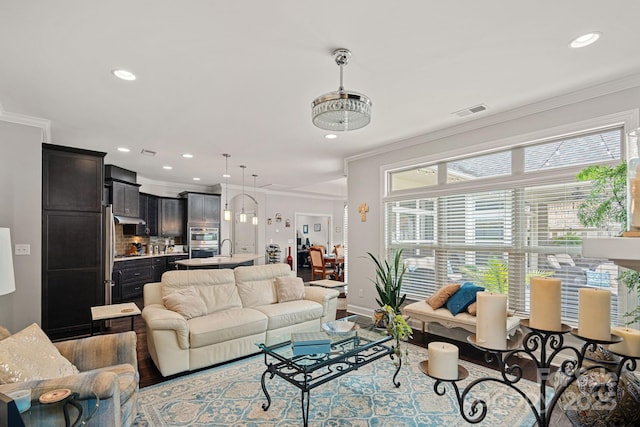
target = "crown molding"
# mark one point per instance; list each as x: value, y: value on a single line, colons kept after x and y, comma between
x: 595, y: 91
x: 23, y: 119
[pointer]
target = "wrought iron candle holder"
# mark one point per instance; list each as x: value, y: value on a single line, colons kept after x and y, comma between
x: 549, y: 344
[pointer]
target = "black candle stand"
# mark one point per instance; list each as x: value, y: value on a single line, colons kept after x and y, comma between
x: 511, y: 374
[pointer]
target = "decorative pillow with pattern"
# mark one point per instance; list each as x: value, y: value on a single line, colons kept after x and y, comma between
x: 186, y: 302
x: 29, y: 355
x: 289, y: 289
x: 442, y: 295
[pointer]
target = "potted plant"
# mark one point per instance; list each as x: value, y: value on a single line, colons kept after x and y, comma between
x: 389, y: 281
x: 398, y: 328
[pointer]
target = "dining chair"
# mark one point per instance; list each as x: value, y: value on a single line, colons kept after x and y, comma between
x: 318, y: 267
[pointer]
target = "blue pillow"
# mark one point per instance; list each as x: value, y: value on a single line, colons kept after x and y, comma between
x: 462, y: 299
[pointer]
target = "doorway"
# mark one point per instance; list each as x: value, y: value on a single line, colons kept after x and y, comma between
x: 244, y: 234
x: 311, y: 229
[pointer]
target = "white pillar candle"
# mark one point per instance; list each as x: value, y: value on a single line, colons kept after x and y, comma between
x: 443, y: 360
x: 630, y: 344
x: 594, y: 314
x: 545, y: 304
x: 491, y: 329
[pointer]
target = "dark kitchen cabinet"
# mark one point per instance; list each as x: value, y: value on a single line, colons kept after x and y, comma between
x: 72, y: 239
x: 125, y: 198
x: 171, y: 217
x: 202, y: 208
x: 171, y: 261
x: 148, y: 211
x: 129, y: 277
x: 158, y: 266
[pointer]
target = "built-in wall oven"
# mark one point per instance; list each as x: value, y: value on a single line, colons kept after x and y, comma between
x: 203, y: 242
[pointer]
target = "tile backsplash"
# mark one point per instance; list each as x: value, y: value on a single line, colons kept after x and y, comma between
x: 123, y: 242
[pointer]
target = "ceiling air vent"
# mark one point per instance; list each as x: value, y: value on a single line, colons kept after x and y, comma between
x: 146, y: 152
x: 471, y: 110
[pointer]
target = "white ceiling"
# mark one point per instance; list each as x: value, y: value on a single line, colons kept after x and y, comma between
x: 238, y: 77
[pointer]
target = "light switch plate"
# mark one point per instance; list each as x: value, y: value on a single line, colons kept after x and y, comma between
x: 23, y: 249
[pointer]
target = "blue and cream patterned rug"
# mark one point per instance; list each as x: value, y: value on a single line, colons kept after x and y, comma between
x: 230, y: 395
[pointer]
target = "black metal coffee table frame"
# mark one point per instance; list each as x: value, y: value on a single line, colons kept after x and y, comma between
x: 310, y: 371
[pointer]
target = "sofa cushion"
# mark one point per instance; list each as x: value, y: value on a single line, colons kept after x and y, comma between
x: 30, y: 355
x: 256, y: 284
x: 442, y: 295
x: 462, y: 299
x: 225, y: 326
x: 217, y: 287
x: 186, y: 302
x: 289, y: 288
x: 290, y: 313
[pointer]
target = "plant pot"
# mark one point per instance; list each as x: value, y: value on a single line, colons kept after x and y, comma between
x: 380, y: 318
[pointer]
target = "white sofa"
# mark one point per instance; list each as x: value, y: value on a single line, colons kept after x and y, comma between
x: 242, y: 310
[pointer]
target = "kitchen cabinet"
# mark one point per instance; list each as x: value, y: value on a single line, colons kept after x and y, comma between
x: 158, y: 266
x: 72, y: 243
x: 125, y: 198
x: 171, y: 217
x: 202, y: 208
x: 129, y: 278
x: 171, y: 261
x: 148, y: 211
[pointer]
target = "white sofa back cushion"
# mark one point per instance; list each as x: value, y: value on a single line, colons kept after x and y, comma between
x: 217, y: 287
x: 256, y: 284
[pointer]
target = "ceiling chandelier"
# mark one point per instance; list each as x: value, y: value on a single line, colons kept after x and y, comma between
x: 341, y: 110
x: 227, y: 212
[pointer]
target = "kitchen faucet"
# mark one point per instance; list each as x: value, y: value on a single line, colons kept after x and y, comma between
x: 230, y: 246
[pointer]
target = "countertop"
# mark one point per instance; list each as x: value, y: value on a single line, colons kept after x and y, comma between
x: 145, y: 256
x: 219, y: 260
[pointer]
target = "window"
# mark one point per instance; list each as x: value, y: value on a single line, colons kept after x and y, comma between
x: 503, y: 232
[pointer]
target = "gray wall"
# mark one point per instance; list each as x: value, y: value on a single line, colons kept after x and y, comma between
x: 364, y: 172
x: 20, y: 210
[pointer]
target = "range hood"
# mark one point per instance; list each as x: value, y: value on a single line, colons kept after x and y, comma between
x: 119, y: 219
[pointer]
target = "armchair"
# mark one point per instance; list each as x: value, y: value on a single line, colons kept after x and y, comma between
x: 108, y: 367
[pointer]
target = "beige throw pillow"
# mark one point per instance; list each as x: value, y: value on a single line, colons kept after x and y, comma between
x: 289, y: 289
x: 186, y: 302
x: 30, y: 355
x: 442, y: 295
x: 473, y: 309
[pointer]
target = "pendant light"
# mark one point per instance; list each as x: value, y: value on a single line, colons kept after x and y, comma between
x: 254, y: 220
x: 227, y: 212
x: 243, y: 216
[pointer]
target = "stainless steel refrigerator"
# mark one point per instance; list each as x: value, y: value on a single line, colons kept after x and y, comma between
x: 109, y: 252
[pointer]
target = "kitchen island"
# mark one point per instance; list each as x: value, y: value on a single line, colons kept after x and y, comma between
x: 219, y: 261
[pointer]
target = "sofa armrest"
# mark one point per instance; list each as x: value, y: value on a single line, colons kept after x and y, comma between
x: 103, y: 383
x: 323, y: 296
x: 152, y: 293
x: 157, y: 317
x: 100, y: 351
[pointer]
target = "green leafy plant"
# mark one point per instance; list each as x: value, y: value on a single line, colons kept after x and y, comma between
x: 631, y: 279
x: 495, y: 275
x: 398, y: 328
x: 389, y: 281
x: 606, y: 202
x: 569, y: 239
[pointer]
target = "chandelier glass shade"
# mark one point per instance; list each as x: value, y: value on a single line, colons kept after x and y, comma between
x: 341, y: 110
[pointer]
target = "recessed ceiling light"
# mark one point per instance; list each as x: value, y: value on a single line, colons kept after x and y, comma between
x: 195, y: 178
x: 123, y: 149
x: 331, y: 136
x: 187, y: 155
x: 124, y: 75
x: 226, y: 175
x: 167, y: 167
x: 585, y: 40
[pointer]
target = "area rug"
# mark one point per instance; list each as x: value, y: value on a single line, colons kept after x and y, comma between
x: 230, y: 395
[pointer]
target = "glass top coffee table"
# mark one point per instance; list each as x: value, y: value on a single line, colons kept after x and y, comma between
x: 349, y: 352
